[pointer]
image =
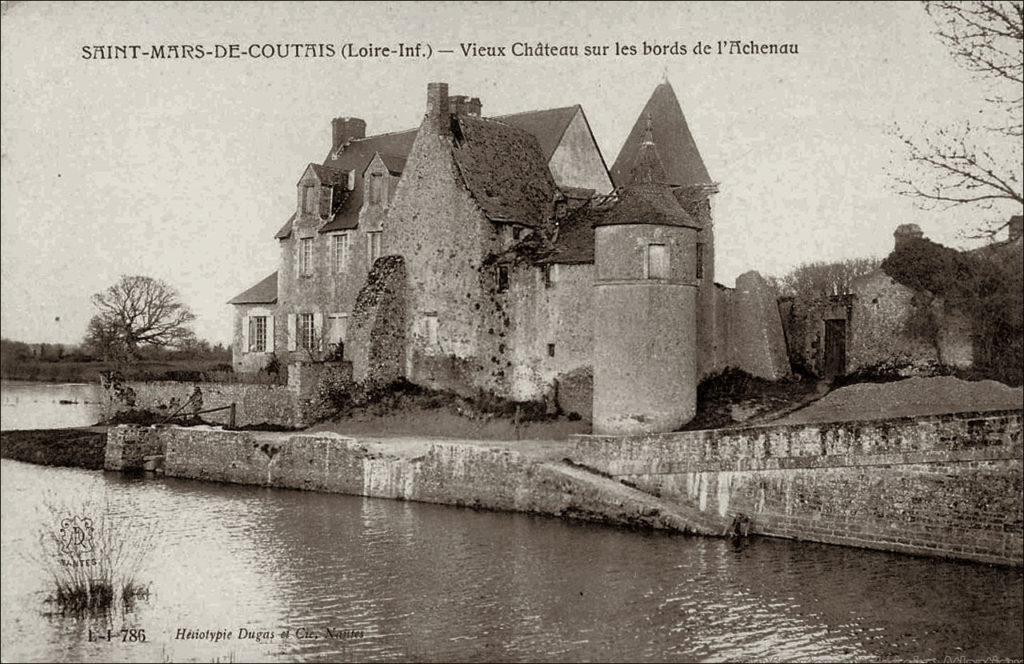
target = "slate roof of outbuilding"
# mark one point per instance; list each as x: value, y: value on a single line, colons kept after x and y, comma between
x: 683, y: 165
x: 504, y: 169
x: 265, y: 292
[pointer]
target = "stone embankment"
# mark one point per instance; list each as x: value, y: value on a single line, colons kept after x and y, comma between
x: 462, y: 473
x: 944, y: 485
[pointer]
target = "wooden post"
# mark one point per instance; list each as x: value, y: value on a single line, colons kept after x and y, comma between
x: 231, y: 416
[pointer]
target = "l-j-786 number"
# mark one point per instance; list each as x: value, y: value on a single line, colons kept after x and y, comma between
x: 127, y: 635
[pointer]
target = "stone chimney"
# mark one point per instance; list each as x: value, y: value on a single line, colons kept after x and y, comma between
x: 463, y: 105
x: 907, y: 232
x: 1016, y: 226
x: 344, y: 130
x: 438, y: 113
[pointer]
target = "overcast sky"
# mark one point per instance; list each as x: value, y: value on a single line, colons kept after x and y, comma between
x: 184, y: 170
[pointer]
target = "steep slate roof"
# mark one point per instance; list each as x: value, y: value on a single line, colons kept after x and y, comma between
x: 647, y: 204
x: 678, y: 151
x: 265, y: 292
x: 356, y: 155
x: 504, y: 169
x: 329, y: 175
x: 286, y: 230
x: 575, y: 241
x: 547, y: 126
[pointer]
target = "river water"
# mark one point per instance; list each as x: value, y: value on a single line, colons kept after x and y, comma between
x: 403, y: 581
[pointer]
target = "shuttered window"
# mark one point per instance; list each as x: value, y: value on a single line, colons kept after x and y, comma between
x: 257, y: 334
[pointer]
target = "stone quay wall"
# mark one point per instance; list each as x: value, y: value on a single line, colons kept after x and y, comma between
x: 947, y: 485
x: 461, y: 474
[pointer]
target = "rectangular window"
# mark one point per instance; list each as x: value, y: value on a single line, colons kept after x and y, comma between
x: 700, y: 261
x: 309, y: 199
x: 502, y: 278
x: 657, y: 261
x: 306, y: 256
x: 257, y: 334
x: 431, y: 325
x: 551, y: 350
x: 376, y: 188
x: 516, y: 232
x: 550, y: 275
x: 337, y: 333
x: 307, y: 332
x: 341, y: 252
x: 372, y: 247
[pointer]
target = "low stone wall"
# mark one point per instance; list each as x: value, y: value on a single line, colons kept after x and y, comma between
x: 459, y: 474
x: 946, y: 485
x: 128, y: 446
x: 276, y: 405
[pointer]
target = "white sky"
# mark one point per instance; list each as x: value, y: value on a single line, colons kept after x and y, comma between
x: 184, y: 170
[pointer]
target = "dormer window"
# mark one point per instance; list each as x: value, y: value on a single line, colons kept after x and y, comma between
x: 308, y: 199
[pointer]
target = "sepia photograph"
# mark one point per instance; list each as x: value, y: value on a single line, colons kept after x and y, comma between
x: 512, y: 331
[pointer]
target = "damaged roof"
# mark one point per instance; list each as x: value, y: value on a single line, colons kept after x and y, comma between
x: 682, y: 163
x: 504, y: 169
x: 265, y: 292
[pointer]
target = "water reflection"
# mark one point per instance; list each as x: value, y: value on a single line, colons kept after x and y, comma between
x: 26, y: 405
x: 436, y: 583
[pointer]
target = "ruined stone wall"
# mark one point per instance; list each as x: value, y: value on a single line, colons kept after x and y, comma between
x: 803, y: 321
x: 454, y: 318
x: 377, y: 334
x: 577, y: 161
x: 552, y: 327
x: 947, y: 485
x: 255, y: 404
x: 755, y: 341
x: 877, y: 329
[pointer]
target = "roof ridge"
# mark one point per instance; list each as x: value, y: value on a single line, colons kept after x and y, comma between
x: 537, y: 110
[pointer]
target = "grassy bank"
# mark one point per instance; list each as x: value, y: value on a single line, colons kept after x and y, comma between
x: 76, y: 448
x: 89, y: 372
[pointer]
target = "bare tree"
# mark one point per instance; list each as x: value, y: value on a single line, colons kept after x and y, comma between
x: 823, y: 278
x: 139, y: 312
x: 973, y: 164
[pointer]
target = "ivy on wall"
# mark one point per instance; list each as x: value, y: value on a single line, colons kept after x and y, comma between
x: 985, y: 291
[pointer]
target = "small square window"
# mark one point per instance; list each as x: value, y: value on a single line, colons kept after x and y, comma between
x: 551, y: 350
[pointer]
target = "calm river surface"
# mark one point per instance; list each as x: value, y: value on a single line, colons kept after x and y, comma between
x: 429, y: 582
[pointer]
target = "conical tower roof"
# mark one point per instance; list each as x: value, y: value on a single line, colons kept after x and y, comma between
x: 662, y: 124
x: 647, y: 204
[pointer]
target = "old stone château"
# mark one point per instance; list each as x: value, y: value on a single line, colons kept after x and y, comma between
x: 500, y: 254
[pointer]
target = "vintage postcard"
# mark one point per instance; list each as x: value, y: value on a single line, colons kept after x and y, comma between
x: 512, y: 331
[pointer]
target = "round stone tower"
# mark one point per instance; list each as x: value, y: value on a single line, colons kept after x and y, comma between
x: 645, y: 299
